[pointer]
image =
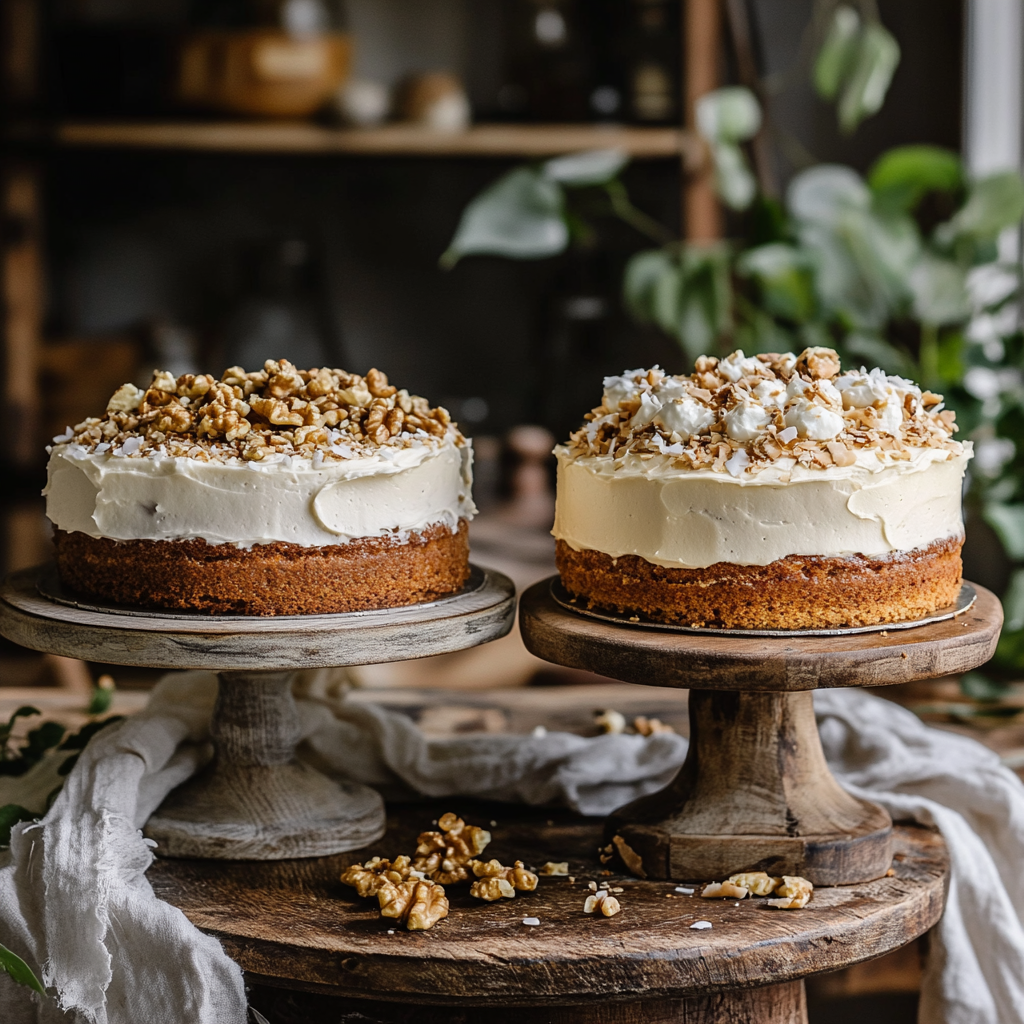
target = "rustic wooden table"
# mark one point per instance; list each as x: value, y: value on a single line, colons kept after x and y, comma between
x: 293, y: 926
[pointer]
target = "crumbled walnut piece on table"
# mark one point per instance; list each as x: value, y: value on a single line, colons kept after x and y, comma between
x: 601, y: 902
x: 759, y: 883
x: 724, y: 891
x: 794, y: 893
x: 554, y: 868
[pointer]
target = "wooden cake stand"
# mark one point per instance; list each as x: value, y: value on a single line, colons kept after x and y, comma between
x: 755, y: 792
x: 255, y: 800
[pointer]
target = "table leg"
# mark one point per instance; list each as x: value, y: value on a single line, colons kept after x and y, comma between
x: 255, y: 801
x: 754, y: 793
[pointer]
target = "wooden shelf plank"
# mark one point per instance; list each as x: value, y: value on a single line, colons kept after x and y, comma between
x: 484, y: 140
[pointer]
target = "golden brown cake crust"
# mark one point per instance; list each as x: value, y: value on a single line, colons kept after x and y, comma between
x: 267, y: 579
x: 797, y: 592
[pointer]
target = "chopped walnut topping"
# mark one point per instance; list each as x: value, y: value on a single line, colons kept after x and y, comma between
x: 320, y: 414
x: 740, y: 415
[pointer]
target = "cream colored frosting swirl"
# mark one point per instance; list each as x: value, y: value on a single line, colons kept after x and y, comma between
x: 289, y: 498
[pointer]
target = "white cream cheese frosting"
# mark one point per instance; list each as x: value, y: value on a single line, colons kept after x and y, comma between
x: 312, y: 458
x: 692, y: 519
x: 281, y: 498
x: 750, y: 460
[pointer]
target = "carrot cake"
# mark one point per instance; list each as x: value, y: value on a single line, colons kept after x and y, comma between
x: 277, y: 492
x: 765, y: 492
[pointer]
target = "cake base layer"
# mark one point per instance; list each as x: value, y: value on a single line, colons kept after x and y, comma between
x: 267, y: 579
x: 797, y: 592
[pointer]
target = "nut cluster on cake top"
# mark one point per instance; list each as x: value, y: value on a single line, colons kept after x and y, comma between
x: 741, y: 414
x: 319, y: 414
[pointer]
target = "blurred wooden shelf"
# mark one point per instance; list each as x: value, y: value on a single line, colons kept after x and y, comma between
x: 484, y: 140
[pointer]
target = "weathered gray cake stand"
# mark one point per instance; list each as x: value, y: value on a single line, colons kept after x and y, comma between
x: 755, y: 792
x: 255, y: 800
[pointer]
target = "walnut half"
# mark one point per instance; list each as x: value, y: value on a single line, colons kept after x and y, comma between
x: 418, y: 905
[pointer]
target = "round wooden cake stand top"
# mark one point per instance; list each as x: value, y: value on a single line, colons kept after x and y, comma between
x: 255, y: 800
x: 755, y: 792
x: 293, y: 925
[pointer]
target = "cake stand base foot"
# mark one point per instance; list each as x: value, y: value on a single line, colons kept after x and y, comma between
x: 255, y: 801
x: 254, y: 812
x: 754, y: 794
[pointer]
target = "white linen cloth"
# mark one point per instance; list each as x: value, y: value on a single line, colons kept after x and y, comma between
x: 75, y: 902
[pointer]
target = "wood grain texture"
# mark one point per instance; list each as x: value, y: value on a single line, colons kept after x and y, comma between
x: 294, y: 922
x: 755, y: 794
x: 257, y: 644
x: 773, y: 1004
x: 255, y: 801
x: 759, y: 663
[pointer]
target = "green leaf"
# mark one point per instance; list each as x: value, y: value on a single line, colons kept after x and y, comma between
x: 734, y: 181
x: 640, y: 281
x: 902, y: 176
x: 19, y: 971
x: 939, y: 290
x: 728, y: 115
x: 1008, y: 522
x: 11, y: 815
x: 596, y: 167
x: 25, y: 711
x: 519, y: 216
x: 100, y: 701
x: 46, y: 737
x: 823, y: 193
x: 993, y: 203
x: 877, y: 57
x: 784, y: 276
x: 78, y: 740
x: 837, y: 53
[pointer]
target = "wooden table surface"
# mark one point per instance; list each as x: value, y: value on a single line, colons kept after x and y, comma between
x: 294, y: 923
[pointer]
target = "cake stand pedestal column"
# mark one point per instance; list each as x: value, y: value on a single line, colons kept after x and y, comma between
x: 755, y: 792
x: 255, y: 800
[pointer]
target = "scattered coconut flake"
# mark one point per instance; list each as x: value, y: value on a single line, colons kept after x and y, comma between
x: 531, y: 920
x: 684, y: 890
x: 701, y: 925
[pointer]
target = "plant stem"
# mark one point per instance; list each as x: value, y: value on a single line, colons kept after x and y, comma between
x: 623, y: 208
